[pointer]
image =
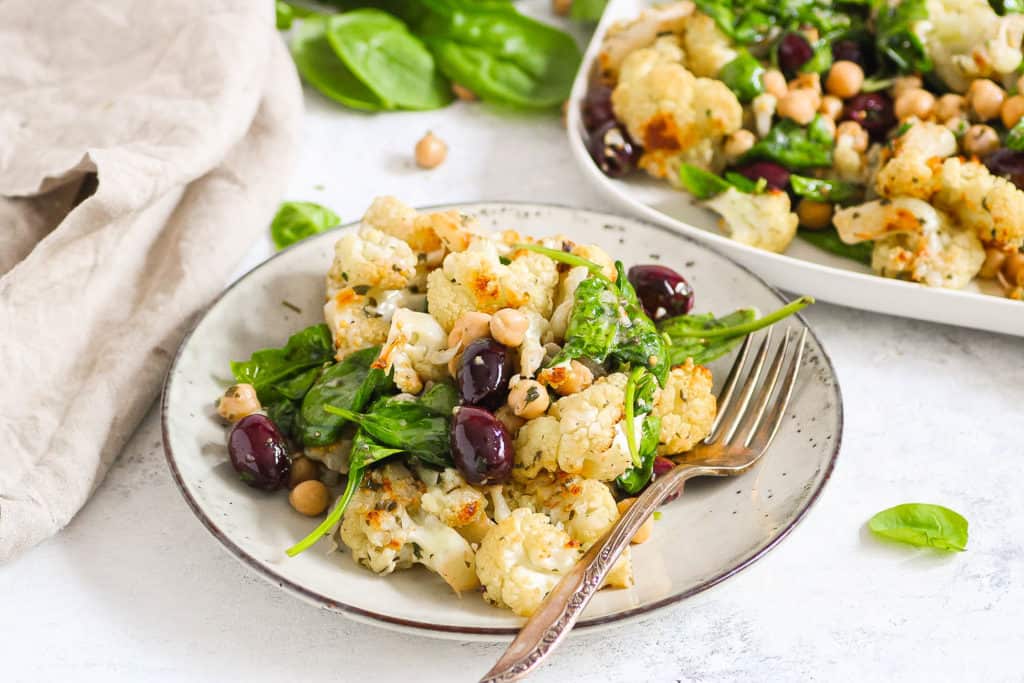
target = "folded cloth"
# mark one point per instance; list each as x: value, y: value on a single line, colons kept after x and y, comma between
x: 143, y: 145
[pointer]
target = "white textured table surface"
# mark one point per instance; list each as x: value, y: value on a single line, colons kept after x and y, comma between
x: 135, y: 589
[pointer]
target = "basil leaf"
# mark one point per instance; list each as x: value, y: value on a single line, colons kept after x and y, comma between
x: 268, y: 368
x: 587, y: 10
x: 700, y: 183
x: 822, y: 190
x: 743, y: 76
x: 320, y: 67
x: 922, y: 524
x: 895, y: 39
x: 828, y: 240
x: 349, y: 384
x: 794, y: 146
x: 381, y: 52
x: 295, y: 221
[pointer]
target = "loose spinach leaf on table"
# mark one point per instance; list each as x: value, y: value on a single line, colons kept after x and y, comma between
x: 287, y: 372
x: 381, y: 52
x: 320, y: 67
x: 794, y: 146
x: 922, y: 524
x: 828, y: 240
x: 296, y: 221
x: 743, y: 76
x: 349, y: 384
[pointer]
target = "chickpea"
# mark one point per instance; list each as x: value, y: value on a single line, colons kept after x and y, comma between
x: 430, y: 151
x: 980, y: 140
x: 810, y: 83
x: 561, y: 7
x: 845, y: 79
x: 949, y: 106
x: 1013, y: 269
x: 646, y: 529
x: 508, y: 327
x: 814, y: 215
x: 775, y: 83
x: 463, y: 93
x: 831, y: 107
x: 798, y: 105
x: 237, y: 402
x: 469, y: 327
x: 854, y: 134
x: 994, y: 260
x: 737, y: 144
x: 914, y: 102
x: 904, y: 83
x: 985, y: 99
x: 310, y: 498
x: 303, y: 469
x: 511, y: 421
x: 1012, y: 110
x: 1020, y: 84
x: 958, y: 125
x: 528, y: 399
x: 567, y: 380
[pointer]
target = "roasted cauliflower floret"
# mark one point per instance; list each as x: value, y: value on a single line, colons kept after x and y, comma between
x: 522, y: 558
x: 676, y: 116
x: 917, y: 159
x: 707, y: 49
x: 477, y: 280
x: 456, y: 503
x: 413, y: 350
x: 760, y: 220
x: 371, y: 258
x: 531, y: 351
x: 625, y: 37
x: 386, y: 529
x: 353, y: 326
x: 582, y: 434
x: 687, y: 408
x: 564, y: 300
x: 990, y: 206
x: 968, y: 40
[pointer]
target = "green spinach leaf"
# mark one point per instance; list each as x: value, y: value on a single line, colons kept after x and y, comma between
x: 794, y: 146
x: 705, y: 185
x: 828, y: 240
x: 922, y: 524
x: 284, y: 15
x: 406, y: 424
x: 296, y: 221
x: 1015, y: 138
x: 896, y: 40
x: 633, y: 480
x: 743, y: 76
x: 588, y: 10
x: 320, y: 67
x: 1004, y: 7
x: 822, y: 190
x: 285, y: 372
x: 349, y: 384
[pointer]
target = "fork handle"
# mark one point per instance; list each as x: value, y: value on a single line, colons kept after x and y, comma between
x: 560, y: 610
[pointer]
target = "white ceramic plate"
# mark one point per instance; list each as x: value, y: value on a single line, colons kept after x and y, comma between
x: 803, y: 268
x: 715, y: 529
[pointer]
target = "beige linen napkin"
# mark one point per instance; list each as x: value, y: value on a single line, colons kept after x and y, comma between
x: 187, y: 113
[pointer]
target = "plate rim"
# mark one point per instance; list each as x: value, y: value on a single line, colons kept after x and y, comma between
x: 444, y: 630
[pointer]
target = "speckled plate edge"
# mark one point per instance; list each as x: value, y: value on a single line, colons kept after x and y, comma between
x: 482, y: 633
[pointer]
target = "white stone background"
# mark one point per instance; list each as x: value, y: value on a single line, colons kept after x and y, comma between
x: 135, y: 589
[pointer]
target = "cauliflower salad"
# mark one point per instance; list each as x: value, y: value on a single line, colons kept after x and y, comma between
x: 483, y: 405
x: 890, y: 132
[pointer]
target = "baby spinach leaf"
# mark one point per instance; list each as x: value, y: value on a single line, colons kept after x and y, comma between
x: 633, y: 480
x: 637, y: 340
x: 828, y: 240
x: 700, y: 183
x: 922, y: 524
x: 1015, y: 138
x: 895, y: 39
x: 296, y: 221
x: 269, y: 370
x: 349, y: 384
x: 743, y: 76
x: 381, y: 52
x: 793, y: 146
x: 320, y: 67
x: 282, y: 413
x: 440, y: 399
x: 822, y: 190
x: 406, y: 424
x: 587, y: 10
x: 284, y: 15
x: 1004, y: 7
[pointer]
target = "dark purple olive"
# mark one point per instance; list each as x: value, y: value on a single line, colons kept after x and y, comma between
x: 776, y: 176
x: 662, y: 291
x: 481, y: 446
x: 483, y: 373
x: 612, y: 150
x: 597, y: 107
x: 847, y: 51
x: 259, y: 452
x: 1008, y: 164
x: 873, y: 111
x: 662, y: 466
x: 794, y: 52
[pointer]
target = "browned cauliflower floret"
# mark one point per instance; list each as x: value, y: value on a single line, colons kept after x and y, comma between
x: 916, y: 161
x: 625, y: 37
x: 990, y: 206
x: 413, y: 350
x: 968, y: 40
x: 707, y: 49
x: 371, y: 258
x: 760, y: 220
x: 352, y: 326
x: 460, y: 506
x: 676, y: 116
x: 687, y: 408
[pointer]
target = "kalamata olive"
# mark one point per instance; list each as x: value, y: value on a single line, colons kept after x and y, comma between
x: 259, y: 452
x: 662, y: 291
x: 483, y: 373
x: 597, y: 107
x: 794, y: 51
x: 775, y: 175
x: 873, y: 111
x: 481, y: 446
x: 1008, y: 164
x: 662, y: 466
x: 612, y: 150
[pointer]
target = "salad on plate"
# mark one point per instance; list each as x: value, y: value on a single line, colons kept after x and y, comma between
x: 483, y: 405
x: 886, y: 131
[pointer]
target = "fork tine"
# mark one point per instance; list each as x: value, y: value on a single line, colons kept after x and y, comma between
x: 732, y: 422
x: 764, y: 394
x: 725, y: 396
x: 768, y: 429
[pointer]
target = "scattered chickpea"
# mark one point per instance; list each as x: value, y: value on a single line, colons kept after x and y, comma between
x: 854, y: 133
x: 463, y: 93
x: 957, y: 124
x: 430, y: 151
x: 1012, y: 110
x: 1020, y: 85
x: 904, y: 83
x: 980, y: 140
x: 508, y: 327
x: 567, y: 380
x: 310, y: 498
x: 798, y: 105
x: 528, y: 399
x: 775, y: 83
x: 810, y: 83
x: 914, y: 102
x: 993, y: 263
x: 561, y: 7
x: 814, y: 215
x: 511, y: 421
x: 1013, y: 269
x: 303, y: 469
x: 831, y: 107
x: 646, y: 529
x: 469, y: 327
x: 737, y: 144
x: 237, y: 402
x: 949, y: 106
x: 985, y: 99
x: 845, y: 79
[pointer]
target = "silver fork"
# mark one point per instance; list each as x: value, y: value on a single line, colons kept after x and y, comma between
x: 746, y: 423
